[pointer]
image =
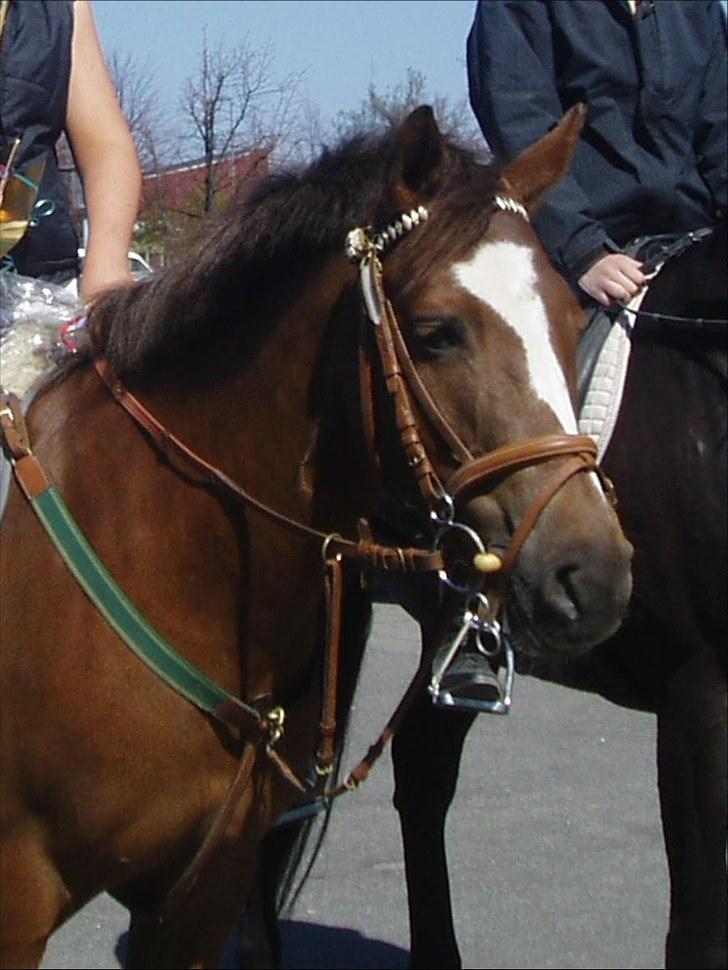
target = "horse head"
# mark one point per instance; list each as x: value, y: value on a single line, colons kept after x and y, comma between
x: 485, y: 334
x: 466, y: 373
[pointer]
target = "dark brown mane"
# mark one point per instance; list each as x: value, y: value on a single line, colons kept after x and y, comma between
x: 250, y: 249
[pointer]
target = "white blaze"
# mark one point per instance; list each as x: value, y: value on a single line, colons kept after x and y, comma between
x: 502, y: 275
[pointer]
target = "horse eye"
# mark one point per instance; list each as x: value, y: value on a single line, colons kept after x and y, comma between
x: 436, y: 336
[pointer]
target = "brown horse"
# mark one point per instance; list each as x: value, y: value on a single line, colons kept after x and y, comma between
x: 248, y: 351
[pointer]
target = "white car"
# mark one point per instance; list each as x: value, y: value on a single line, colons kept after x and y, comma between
x: 138, y: 266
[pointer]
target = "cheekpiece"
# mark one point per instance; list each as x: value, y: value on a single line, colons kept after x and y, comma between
x: 363, y: 243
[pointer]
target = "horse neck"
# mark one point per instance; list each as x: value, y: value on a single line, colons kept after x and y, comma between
x: 262, y: 424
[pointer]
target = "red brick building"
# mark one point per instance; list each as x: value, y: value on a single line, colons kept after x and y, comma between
x: 169, y: 196
x: 179, y: 188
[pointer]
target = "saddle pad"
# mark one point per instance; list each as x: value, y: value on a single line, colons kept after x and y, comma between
x: 603, y: 396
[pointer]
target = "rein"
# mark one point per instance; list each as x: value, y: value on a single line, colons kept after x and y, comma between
x: 652, y: 266
x: 709, y: 324
x: 332, y: 544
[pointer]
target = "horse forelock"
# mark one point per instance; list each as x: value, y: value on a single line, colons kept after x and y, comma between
x: 459, y: 219
x: 275, y: 233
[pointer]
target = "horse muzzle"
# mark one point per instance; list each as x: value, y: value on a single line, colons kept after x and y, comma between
x: 554, y: 558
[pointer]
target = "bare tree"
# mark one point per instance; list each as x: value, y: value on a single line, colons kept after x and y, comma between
x: 140, y: 103
x: 236, y: 103
x: 149, y: 125
x: 386, y: 109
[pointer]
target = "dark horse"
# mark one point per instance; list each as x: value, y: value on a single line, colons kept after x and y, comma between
x: 267, y: 436
x: 667, y: 458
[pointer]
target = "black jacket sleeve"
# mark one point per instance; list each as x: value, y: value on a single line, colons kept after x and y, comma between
x: 711, y: 146
x: 514, y: 96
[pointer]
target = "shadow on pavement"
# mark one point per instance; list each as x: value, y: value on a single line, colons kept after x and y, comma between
x: 308, y: 946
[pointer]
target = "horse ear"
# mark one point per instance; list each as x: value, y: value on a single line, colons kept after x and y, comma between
x: 542, y: 165
x: 416, y: 160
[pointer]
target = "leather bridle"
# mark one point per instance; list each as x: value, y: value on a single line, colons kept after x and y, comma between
x: 475, y: 473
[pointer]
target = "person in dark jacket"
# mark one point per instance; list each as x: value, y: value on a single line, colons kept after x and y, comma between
x: 652, y: 156
x: 53, y: 78
x: 651, y: 159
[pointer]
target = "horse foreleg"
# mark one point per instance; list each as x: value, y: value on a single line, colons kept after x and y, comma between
x: 32, y: 899
x: 692, y: 778
x: 258, y: 938
x: 193, y: 935
x: 426, y: 755
x: 192, y: 931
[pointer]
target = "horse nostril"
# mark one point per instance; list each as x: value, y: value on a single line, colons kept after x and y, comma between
x: 583, y: 602
x: 563, y: 594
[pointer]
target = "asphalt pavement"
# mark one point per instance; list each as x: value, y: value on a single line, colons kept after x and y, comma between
x: 554, y: 842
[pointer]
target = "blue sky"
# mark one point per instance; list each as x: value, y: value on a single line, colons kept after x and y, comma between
x: 342, y: 45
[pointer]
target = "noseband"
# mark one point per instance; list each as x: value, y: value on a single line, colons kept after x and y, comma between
x: 404, y: 384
